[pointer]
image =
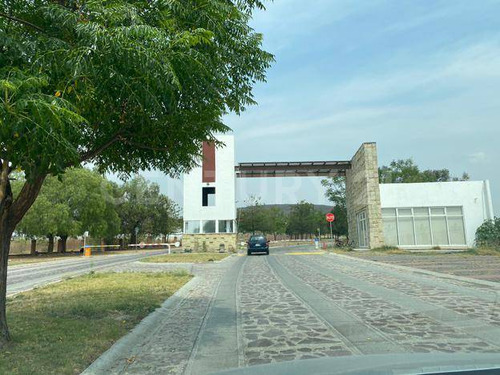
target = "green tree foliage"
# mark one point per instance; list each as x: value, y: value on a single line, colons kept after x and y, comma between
x: 253, y: 218
x: 406, y: 171
x: 257, y: 217
x: 488, y: 234
x: 336, y: 193
x: 81, y: 200
x: 144, y: 210
x: 277, y: 221
x: 126, y: 85
x: 304, y: 219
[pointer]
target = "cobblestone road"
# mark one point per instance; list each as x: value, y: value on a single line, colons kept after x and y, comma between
x: 246, y: 311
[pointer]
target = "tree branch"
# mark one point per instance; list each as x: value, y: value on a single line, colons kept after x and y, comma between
x: 24, y: 22
x: 25, y: 199
x: 92, y: 153
x: 4, y: 178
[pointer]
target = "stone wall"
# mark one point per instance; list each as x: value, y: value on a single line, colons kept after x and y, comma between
x: 363, y: 194
x: 210, y: 242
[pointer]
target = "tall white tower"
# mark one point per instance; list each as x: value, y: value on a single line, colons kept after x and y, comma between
x: 209, y: 200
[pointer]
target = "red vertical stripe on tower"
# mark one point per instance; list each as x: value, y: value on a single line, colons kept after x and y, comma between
x: 208, y: 165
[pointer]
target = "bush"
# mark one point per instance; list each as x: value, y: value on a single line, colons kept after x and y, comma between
x: 488, y: 234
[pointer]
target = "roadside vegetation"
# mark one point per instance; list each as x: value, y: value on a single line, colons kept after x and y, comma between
x: 186, y: 258
x: 83, y: 200
x: 62, y: 328
x: 77, y: 80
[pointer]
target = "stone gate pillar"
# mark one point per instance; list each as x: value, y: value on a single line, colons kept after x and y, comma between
x: 364, y: 215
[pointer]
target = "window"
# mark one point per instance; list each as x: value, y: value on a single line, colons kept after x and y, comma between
x: 424, y: 226
x: 362, y: 229
x: 208, y: 196
x: 390, y: 226
x: 192, y: 226
x: 226, y: 226
x: 208, y: 226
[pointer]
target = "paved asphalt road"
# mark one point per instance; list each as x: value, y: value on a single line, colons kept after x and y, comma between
x: 28, y: 276
x: 297, y: 304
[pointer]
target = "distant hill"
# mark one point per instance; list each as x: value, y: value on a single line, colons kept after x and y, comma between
x: 286, y: 208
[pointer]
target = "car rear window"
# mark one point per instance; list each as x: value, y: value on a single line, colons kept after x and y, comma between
x: 257, y: 238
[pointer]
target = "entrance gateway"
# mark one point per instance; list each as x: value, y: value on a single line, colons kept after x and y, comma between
x: 210, y: 205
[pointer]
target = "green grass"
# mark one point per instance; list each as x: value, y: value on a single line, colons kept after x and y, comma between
x: 62, y: 328
x: 186, y: 258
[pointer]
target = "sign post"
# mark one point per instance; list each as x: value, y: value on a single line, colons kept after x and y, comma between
x: 136, y: 230
x: 330, y: 218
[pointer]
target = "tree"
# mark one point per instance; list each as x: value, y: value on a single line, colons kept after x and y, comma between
x: 304, y: 219
x: 406, y: 171
x: 91, y: 203
x: 336, y: 193
x: 124, y: 85
x: 81, y: 200
x: 253, y: 217
x: 277, y: 221
x: 144, y: 210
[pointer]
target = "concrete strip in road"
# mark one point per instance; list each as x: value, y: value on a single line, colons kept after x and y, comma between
x: 217, y: 346
x: 114, y: 360
x: 473, y: 327
x: 360, y: 337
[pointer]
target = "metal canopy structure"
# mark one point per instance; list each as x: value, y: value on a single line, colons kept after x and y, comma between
x: 292, y: 169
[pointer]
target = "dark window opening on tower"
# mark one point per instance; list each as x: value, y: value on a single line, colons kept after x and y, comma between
x: 208, y: 196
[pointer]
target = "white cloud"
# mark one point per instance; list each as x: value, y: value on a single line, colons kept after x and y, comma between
x: 478, y: 157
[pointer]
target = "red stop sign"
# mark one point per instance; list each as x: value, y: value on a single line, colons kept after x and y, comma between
x: 330, y: 217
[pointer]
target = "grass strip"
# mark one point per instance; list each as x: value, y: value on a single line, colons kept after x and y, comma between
x: 63, y: 327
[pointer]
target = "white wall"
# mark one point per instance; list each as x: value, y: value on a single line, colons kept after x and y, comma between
x: 473, y: 196
x: 225, y: 206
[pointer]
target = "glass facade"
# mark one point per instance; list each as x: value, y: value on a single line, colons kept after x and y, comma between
x: 428, y: 226
x: 192, y: 226
x: 208, y: 226
x: 226, y: 226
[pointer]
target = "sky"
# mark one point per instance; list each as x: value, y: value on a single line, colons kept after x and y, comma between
x: 419, y: 78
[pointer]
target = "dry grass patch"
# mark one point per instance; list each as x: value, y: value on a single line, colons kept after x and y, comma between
x: 186, y: 258
x: 62, y: 328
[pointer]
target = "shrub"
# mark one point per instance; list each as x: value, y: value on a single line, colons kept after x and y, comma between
x: 488, y: 234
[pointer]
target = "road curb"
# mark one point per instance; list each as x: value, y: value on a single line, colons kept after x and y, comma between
x: 122, y: 349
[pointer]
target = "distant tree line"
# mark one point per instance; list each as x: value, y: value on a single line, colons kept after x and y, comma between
x: 303, y: 221
x: 83, y: 200
x: 406, y: 171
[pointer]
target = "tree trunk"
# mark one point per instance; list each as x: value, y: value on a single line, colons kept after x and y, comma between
x: 5, y: 237
x: 33, y: 246
x: 50, y: 248
x: 133, y: 238
x: 61, y: 244
x: 11, y: 213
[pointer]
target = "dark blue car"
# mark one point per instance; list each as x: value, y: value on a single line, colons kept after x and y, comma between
x: 257, y: 244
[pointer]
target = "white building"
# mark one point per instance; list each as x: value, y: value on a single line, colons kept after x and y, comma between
x: 209, y: 199
x: 444, y: 214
